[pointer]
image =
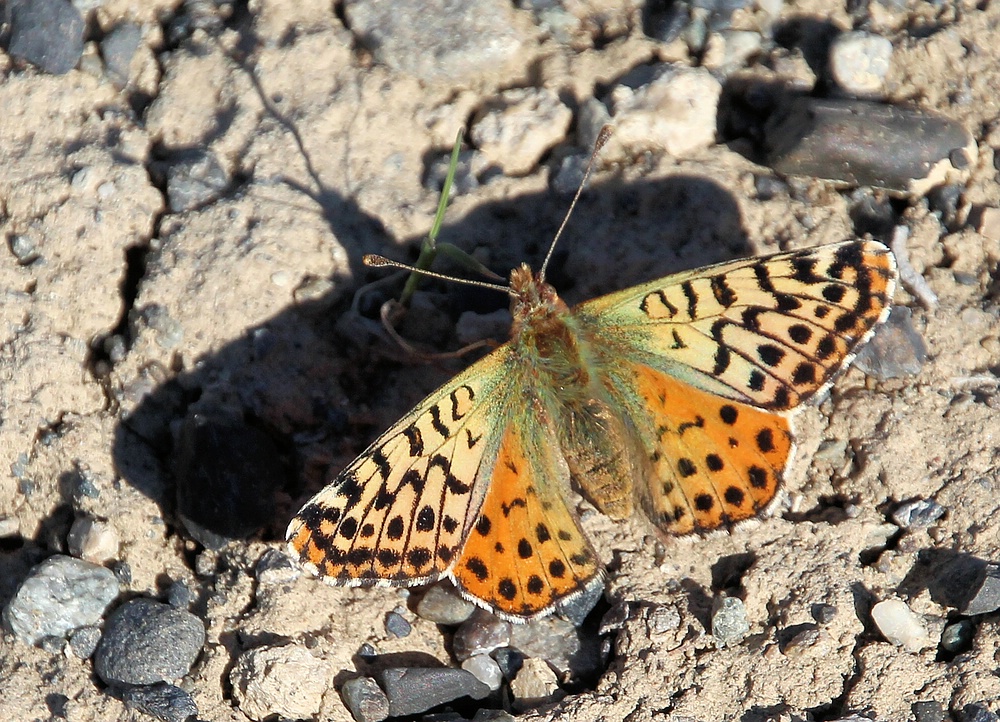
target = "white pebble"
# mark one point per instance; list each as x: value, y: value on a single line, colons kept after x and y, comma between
x: 859, y: 62
x: 900, y: 626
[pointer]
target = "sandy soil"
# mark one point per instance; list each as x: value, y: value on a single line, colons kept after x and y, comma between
x: 132, y: 317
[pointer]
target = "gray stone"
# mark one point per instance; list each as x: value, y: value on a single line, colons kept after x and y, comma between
x: 163, y: 701
x: 84, y: 641
x: 957, y: 636
x: 146, y: 642
x: 442, y: 605
x: 895, y: 351
x: 976, y: 713
x: 928, y: 711
x: 481, y: 634
x: 986, y: 595
x: 415, y: 689
x: 365, y: 699
x: 550, y: 638
x: 194, y: 179
x: 118, y: 48
x: 443, y: 41
x: 486, y: 670
x: 396, y: 625
x: 917, y: 514
x: 47, y: 33
x: 59, y: 595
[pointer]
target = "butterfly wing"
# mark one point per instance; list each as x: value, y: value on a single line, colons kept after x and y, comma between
x: 704, y: 362
x: 769, y: 332
x: 398, y: 514
x: 468, y: 484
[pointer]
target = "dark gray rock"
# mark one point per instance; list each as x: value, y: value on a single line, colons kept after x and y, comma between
x: 416, y: 689
x: 861, y: 143
x: 59, y: 595
x: 366, y: 701
x: 396, y: 625
x: 47, y: 33
x: 928, y: 711
x: 985, y: 597
x: 146, y: 642
x: 84, y: 641
x: 163, y: 701
x: 976, y: 713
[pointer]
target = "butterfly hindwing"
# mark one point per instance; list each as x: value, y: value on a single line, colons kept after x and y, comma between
x: 399, y: 513
x: 526, y: 550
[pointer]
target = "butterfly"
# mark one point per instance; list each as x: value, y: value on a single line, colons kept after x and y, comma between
x: 672, y: 398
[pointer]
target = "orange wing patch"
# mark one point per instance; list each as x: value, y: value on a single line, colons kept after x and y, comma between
x: 714, y: 462
x: 525, y: 551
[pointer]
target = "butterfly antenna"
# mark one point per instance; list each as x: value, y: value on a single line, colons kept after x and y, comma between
x: 376, y: 261
x: 602, y: 138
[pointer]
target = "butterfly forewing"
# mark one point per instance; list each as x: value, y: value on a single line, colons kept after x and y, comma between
x: 400, y: 512
x: 770, y: 332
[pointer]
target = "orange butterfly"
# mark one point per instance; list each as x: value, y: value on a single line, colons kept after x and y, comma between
x: 672, y: 397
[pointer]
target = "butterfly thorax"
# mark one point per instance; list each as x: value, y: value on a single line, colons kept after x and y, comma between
x: 563, y: 382
x: 542, y: 330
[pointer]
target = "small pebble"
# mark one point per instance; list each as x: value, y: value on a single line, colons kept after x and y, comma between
x: 859, y: 62
x: 164, y: 701
x: 917, y: 514
x: 195, y: 179
x: 899, y: 625
x: 957, y: 637
x: 509, y: 660
x: 535, y: 684
x: 552, y: 639
x: 480, y: 634
x: 179, y: 595
x: 416, y: 689
x: 729, y: 621
x: 675, y: 112
x: 367, y: 652
x: 976, y: 713
x: 806, y: 636
x: 365, y: 699
x: 485, y: 669
x: 47, y: 33
x: 93, y: 540
x: 83, y: 641
x: 285, y: 681
x: 823, y: 613
x: 442, y: 605
x: 946, y: 202
x: 396, y: 625
x: 118, y: 48
x: 516, y: 131
x: 614, y: 619
x: 985, y: 595
x: 145, y: 642
x: 24, y: 248
x: 928, y: 711
x: 896, y: 350
x: 576, y: 608
x: 276, y: 567
x: 59, y: 595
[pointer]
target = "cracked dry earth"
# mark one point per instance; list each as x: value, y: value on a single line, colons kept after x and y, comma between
x: 129, y: 317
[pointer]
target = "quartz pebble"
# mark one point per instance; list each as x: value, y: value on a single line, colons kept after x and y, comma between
x: 859, y: 62
x: 535, y: 684
x: 93, y: 540
x: 286, y: 681
x: 480, y: 634
x: 729, y: 621
x: 900, y: 626
x: 486, y: 670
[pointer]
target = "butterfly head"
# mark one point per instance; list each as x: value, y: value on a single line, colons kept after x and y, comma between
x: 532, y: 299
